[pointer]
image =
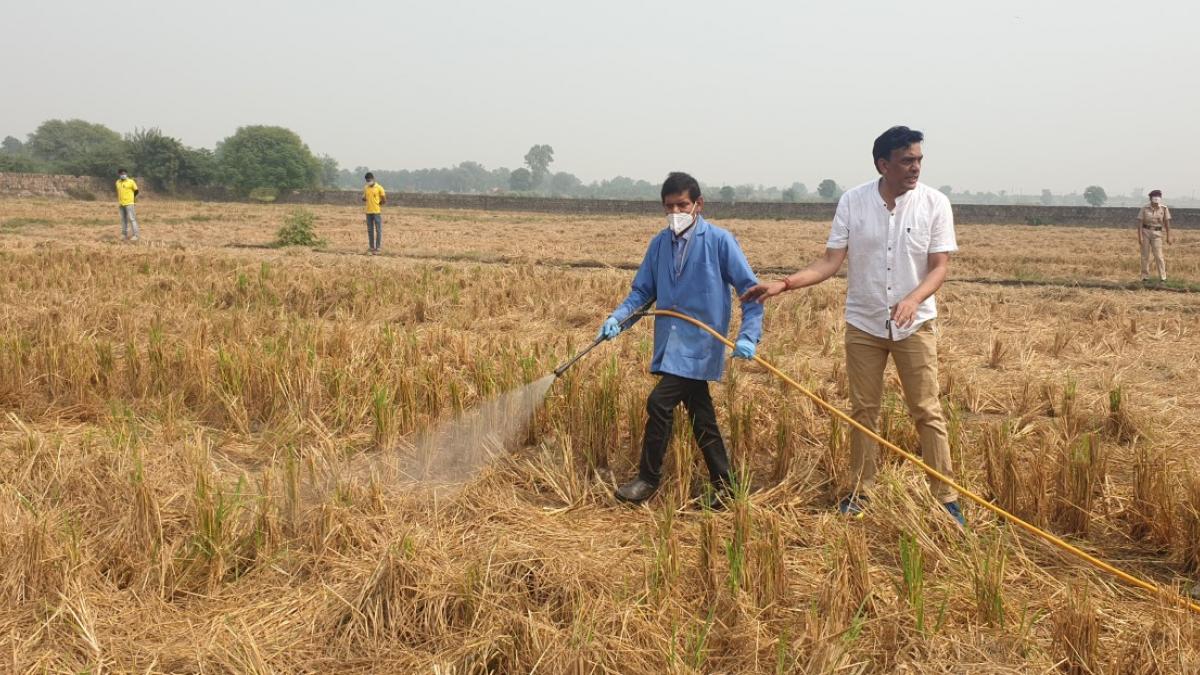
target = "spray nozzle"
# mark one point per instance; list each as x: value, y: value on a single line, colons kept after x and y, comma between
x: 638, y: 313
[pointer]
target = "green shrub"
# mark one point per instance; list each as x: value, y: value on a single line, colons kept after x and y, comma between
x: 297, y: 230
x: 264, y: 195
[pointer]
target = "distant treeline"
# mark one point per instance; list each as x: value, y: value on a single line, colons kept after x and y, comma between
x: 253, y: 158
x: 474, y: 178
x: 270, y: 158
x: 535, y: 178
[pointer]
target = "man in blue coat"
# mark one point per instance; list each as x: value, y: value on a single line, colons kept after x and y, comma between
x: 692, y: 267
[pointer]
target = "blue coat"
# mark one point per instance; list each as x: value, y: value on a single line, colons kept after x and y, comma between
x: 702, y: 290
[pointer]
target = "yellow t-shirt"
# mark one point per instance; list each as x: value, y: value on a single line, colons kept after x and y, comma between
x: 374, y: 195
x: 125, y: 190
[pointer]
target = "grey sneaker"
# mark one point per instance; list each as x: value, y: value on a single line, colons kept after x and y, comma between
x: 636, y: 491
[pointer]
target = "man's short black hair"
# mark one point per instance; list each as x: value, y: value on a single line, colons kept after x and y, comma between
x: 1156, y: 193
x: 894, y: 139
x: 678, y: 182
x: 369, y: 176
x: 122, y: 171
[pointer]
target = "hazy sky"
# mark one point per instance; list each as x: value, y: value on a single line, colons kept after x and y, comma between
x: 1015, y: 95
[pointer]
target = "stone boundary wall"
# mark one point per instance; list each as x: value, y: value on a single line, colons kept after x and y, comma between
x: 40, y: 185
x: 982, y: 214
x: 67, y: 187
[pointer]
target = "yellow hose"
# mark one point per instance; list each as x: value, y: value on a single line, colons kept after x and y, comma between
x: 1031, y: 529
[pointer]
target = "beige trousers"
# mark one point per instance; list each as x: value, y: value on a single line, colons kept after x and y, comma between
x: 1152, y: 241
x: 916, y: 362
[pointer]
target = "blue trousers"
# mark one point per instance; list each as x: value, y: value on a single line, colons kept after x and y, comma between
x: 375, y: 231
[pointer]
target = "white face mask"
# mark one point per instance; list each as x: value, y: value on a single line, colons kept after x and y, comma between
x: 1156, y: 200
x: 680, y: 222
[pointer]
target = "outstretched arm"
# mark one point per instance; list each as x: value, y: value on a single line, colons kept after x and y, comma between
x: 819, y: 270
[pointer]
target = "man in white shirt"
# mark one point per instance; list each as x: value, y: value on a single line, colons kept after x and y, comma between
x: 898, y: 235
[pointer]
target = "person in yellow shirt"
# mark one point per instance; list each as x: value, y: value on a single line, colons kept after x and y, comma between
x: 127, y: 191
x: 374, y: 197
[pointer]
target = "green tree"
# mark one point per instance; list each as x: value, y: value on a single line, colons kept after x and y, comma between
x: 11, y: 146
x: 800, y: 189
x: 158, y: 157
x: 538, y: 159
x: 728, y: 194
x: 198, y: 167
x: 79, y: 148
x: 329, y: 171
x: 521, y: 180
x: 475, y: 176
x: 1047, y: 197
x: 789, y: 195
x: 946, y: 190
x: 1095, y: 195
x: 20, y: 164
x: 267, y: 157
x: 829, y: 190
x: 565, y: 184
x: 167, y: 164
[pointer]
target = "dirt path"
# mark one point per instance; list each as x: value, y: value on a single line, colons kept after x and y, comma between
x: 1099, y: 284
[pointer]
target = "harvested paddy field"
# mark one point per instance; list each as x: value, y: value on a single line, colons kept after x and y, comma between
x: 195, y: 433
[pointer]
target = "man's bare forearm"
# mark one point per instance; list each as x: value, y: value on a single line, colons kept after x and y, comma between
x: 931, y: 283
x: 819, y: 270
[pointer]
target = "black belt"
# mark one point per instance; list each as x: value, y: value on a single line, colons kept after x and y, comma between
x: 1151, y: 227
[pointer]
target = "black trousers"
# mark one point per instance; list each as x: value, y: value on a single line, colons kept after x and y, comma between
x: 670, y: 391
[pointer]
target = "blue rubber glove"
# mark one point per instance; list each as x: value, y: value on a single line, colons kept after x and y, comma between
x: 745, y: 349
x: 610, y: 329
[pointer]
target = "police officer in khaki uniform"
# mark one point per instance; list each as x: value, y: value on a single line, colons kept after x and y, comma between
x: 1153, y: 223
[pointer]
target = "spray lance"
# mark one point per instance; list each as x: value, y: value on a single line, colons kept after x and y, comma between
x: 637, y: 314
